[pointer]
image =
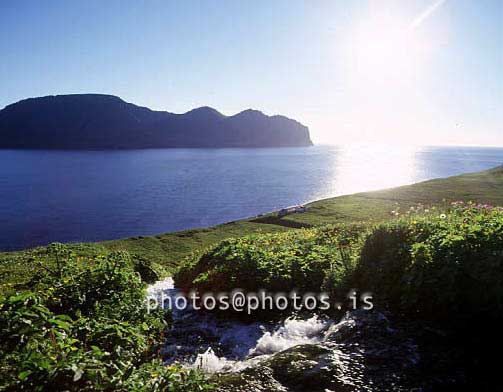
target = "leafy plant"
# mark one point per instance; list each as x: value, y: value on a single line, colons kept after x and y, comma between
x: 438, y: 264
x: 299, y: 259
x: 84, y: 328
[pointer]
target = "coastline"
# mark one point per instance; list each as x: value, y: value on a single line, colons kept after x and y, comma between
x: 168, y: 249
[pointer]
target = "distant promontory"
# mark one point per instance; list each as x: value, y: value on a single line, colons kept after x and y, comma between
x: 97, y: 121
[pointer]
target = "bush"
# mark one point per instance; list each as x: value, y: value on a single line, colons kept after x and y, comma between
x: 304, y: 260
x: 149, y: 271
x: 85, y: 328
x: 438, y: 265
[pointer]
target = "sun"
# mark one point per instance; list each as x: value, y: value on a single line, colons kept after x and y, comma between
x: 385, y: 49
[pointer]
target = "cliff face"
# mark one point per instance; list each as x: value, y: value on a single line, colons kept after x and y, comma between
x: 95, y: 121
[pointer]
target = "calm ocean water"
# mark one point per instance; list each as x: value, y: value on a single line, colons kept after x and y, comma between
x: 72, y: 196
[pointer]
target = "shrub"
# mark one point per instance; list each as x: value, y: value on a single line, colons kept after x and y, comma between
x: 304, y: 260
x: 85, y: 328
x: 438, y: 265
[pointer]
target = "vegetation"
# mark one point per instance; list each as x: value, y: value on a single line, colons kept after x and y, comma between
x: 276, y: 262
x: 170, y: 249
x: 72, y: 316
x: 83, y: 327
x: 437, y: 265
x: 430, y: 263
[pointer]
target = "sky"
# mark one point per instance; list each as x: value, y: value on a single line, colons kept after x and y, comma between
x: 426, y: 72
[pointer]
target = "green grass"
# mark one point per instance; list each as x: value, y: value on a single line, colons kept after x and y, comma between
x: 440, y: 264
x: 482, y: 187
x: 373, y: 207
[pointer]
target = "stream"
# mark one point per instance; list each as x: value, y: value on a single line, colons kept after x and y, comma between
x: 362, y: 351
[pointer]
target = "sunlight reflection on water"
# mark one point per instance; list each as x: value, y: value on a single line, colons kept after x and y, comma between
x: 361, y: 168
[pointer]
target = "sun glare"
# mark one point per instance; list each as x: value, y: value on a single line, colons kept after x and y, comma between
x: 388, y: 56
x: 391, y: 46
x: 380, y: 50
x: 385, y: 49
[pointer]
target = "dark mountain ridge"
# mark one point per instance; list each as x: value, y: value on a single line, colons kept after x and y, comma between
x: 98, y: 121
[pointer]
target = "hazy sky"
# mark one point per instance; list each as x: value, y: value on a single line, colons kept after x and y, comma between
x: 425, y: 71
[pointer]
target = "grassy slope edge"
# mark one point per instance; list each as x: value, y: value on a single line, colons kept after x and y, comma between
x: 170, y: 248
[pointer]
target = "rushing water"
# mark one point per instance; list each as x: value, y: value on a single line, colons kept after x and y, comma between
x: 72, y: 196
x: 215, y: 344
x: 360, y: 352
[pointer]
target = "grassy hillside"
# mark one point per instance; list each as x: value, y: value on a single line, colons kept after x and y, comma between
x: 79, y: 322
x: 169, y: 249
x: 440, y: 264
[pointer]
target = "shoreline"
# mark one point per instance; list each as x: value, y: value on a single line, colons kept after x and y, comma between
x: 373, y: 206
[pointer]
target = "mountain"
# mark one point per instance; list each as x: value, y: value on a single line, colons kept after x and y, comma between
x: 97, y: 121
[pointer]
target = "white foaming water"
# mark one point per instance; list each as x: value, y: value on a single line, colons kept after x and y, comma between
x: 158, y: 288
x: 209, y: 362
x: 238, y: 337
x: 247, y: 343
x: 165, y: 293
x: 292, y: 333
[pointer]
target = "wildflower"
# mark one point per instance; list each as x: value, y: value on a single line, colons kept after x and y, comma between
x: 427, y: 210
x: 443, y: 216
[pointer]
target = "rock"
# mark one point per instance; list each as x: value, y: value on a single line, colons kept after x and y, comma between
x: 360, y: 353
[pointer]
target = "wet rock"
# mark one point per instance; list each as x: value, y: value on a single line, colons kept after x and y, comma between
x: 357, y: 325
x: 360, y: 353
x: 258, y: 379
x: 308, y: 368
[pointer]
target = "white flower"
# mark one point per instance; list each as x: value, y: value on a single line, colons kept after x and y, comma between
x: 443, y: 216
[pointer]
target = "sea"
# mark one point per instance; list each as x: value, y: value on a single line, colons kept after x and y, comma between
x: 82, y: 196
